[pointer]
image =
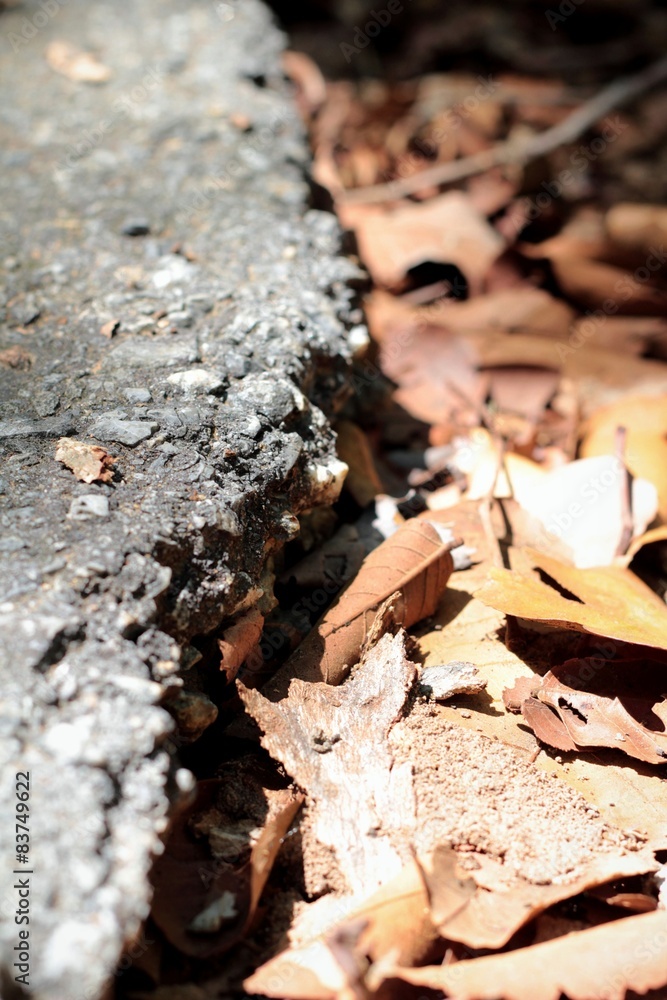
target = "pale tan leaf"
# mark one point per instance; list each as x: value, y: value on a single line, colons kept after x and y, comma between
x: 615, y: 602
x: 464, y: 909
x: 603, y: 962
x: 446, y: 229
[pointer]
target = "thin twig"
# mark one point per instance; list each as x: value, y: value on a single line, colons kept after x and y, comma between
x: 518, y: 151
x: 627, y: 520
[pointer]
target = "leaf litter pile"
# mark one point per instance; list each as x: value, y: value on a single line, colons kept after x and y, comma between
x: 436, y: 764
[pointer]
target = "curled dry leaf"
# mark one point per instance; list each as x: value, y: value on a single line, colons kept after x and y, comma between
x: 606, y: 961
x: 589, y: 720
x: 468, y: 908
x: 239, y: 641
x: 204, y: 905
x: 89, y: 462
x: 415, y: 561
x: 75, y: 64
x: 612, y: 601
x: 362, y: 479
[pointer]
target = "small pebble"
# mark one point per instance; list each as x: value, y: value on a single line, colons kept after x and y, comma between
x: 136, y: 227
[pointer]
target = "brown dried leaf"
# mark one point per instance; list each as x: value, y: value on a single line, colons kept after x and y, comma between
x: 445, y: 229
x: 352, y: 447
x: 625, y: 334
x: 606, y: 961
x: 527, y: 310
x: 89, y: 462
x: 189, y: 883
x: 481, y: 915
x: 614, y: 602
x: 239, y: 640
x: 394, y: 920
x: 593, y: 720
x: 636, y: 226
x: 333, y: 742
x: 522, y: 389
x: 547, y: 727
x: 414, y: 561
x: 75, y: 64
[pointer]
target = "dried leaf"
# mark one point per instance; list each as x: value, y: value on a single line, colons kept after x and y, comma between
x: 632, y: 797
x: 592, y: 284
x: 625, y: 334
x: 445, y: 229
x: 592, y: 720
x: 89, y: 462
x: 333, y: 742
x: 467, y: 909
x: 392, y: 921
x: 637, y: 226
x: 75, y: 64
x: 613, y: 602
x: 582, y: 504
x: 606, y: 961
x: 529, y: 311
x: 239, y: 641
x: 352, y: 447
x: 414, y: 561
x: 204, y: 906
x: 645, y: 421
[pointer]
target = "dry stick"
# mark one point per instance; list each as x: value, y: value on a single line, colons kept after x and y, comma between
x: 627, y: 520
x: 522, y: 150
